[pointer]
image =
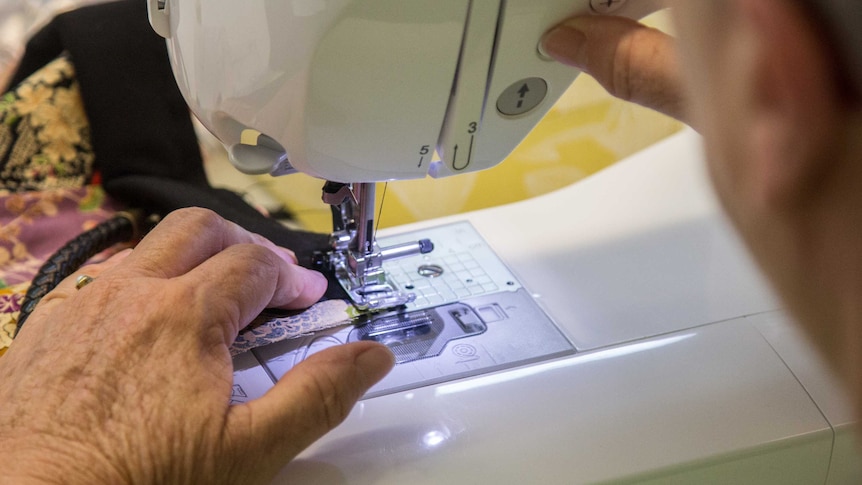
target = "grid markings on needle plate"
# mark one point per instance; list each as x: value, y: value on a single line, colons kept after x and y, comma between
x: 462, y: 277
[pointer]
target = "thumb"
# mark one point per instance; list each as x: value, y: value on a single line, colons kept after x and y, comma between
x: 630, y: 60
x: 310, y: 400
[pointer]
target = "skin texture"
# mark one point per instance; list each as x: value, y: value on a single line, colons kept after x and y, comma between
x: 138, y: 392
x: 761, y: 82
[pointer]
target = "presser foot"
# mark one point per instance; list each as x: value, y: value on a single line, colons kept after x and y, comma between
x: 355, y: 258
x: 377, y: 297
x: 372, y: 291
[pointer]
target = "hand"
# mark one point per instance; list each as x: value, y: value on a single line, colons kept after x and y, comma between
x: 633, y: 62
x: 128, y: 379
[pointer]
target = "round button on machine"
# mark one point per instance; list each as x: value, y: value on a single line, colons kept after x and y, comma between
x: 522, y: 96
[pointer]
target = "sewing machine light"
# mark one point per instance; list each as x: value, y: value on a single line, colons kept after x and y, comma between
x: 257, y: 153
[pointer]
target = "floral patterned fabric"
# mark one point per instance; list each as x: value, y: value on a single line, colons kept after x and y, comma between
x: 45, y: 160
x: 33, y: 225
x: 44, y: 135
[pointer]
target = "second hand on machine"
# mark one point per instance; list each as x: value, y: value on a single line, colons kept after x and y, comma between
x: 354, y: 256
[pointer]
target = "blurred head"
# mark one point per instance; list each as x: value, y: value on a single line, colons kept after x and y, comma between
x: 775, y: 88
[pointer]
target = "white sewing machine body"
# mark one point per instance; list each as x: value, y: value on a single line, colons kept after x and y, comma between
x: 319, y: 86
x: 682, y: 369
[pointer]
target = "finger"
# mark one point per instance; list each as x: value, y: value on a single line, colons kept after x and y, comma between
x: 311, y: 399
x: 633, y: 62
x: 188, y: 237
x: 242, y: 280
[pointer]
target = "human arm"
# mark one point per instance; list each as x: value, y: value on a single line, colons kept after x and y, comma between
x: 128, y: 379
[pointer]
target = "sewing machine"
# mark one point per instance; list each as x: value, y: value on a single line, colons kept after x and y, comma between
x: 332, y: 80
x: 638, y: 346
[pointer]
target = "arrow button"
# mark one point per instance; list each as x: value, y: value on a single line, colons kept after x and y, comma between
x: 522, y: 96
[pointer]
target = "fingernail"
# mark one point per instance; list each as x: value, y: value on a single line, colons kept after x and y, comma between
x: 287, y: 254
x: 565, y: 43
x: 375, y: 362
x: 320, y: 281
x: 315, y: 281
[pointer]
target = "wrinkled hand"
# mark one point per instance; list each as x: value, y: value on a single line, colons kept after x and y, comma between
x: 128, y: 379
x: 631, y: 61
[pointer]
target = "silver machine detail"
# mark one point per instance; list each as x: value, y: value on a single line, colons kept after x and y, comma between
x: 355, y: 257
